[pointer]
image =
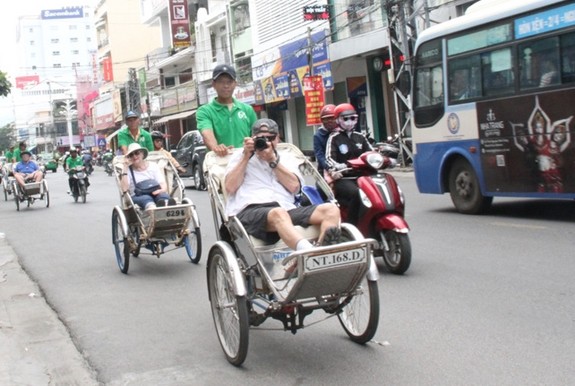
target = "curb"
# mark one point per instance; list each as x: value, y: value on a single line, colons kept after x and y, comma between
x: 35, y: 346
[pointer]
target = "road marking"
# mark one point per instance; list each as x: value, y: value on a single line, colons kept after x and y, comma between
x: 512, y: 225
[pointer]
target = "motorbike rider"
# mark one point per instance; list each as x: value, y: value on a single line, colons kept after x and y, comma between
x: 87, y: 160
x: 158, y: 140
x: 342, y: 146
x: 71, y: 163
x: 107, y: 158
x: 329, y: 124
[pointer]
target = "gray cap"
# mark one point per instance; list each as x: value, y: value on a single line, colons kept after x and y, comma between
x: 265, y: 125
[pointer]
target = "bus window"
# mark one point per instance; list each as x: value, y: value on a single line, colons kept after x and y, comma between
x: 497, y: 71
x: 568, y: 58
x: 539, y: 63
x: 428, y: 96
x: 464, y: 79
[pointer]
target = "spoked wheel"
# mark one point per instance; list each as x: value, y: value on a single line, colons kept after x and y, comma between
x: 193, y: 244
x: 46, y: 194
x: 82, y: 189
x: 360, y: 317
x: 230, y: 312
x: 6, y: 188
x: 397, y: 257
x: 121, y: 245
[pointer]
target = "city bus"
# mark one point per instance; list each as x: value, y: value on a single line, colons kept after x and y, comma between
x: 493, y: 102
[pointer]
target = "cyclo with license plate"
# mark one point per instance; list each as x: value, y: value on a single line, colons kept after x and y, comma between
x: 248, y: 282
x: 158, y: 230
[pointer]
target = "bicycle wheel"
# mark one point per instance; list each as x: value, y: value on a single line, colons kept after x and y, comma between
x: 230, y: 312
x: 360, y: 317
x: 46, y: 194
x: 121, y: 245
x: 16, y: 193
x: 193, y: 245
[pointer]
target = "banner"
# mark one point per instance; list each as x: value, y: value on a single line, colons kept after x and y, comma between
x: 314, y: 98
x: 180, y: 24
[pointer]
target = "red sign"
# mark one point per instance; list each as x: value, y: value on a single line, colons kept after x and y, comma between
x: 107, y: 69
x: 180, y: 24
x: 23, y: 82
x: 316, y: 12
x: 314, y: 98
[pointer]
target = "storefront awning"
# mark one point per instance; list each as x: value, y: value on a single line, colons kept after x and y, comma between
x: 172, y: 117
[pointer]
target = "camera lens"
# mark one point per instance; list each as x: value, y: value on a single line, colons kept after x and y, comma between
x: 261, y: 143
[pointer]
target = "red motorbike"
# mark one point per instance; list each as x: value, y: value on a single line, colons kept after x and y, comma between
x: 382, y: 209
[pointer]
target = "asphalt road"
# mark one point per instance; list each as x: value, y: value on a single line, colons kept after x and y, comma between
x: 488, y: 300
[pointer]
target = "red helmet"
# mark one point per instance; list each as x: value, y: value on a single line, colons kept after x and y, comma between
x: 327, y: 111
x: 344, y: 109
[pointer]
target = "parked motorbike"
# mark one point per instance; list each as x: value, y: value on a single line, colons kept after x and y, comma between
x: 79, y: 183
x: 382, y: 211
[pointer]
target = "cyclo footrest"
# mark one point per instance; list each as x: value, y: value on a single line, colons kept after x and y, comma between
x: 322, y: 271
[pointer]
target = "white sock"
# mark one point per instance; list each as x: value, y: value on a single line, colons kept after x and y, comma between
x: 303, y: 244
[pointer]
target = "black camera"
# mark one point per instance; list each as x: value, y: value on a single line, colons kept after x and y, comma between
x: 260, y: 143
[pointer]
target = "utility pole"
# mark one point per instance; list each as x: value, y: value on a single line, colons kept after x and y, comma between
x: 402, y: 27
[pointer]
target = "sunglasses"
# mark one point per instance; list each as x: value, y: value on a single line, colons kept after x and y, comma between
x: 269, y: 138
x: 350, y: 118
x: 137, y: 152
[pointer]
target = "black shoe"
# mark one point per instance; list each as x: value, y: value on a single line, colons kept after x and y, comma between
x: 172, y: 202
x: 332, y: 236
x: 161, y: 203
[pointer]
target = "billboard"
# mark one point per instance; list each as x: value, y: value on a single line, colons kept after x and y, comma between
x: 180, y: 24
x: 23, y: 82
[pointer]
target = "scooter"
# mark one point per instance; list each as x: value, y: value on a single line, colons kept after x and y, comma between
x: 382, y: 209
x: 108, y: 167
x: 79, y: 186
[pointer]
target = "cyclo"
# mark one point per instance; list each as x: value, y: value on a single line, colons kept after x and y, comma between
x: 159, y: 230
x: 247, y: 283
x: 30, y: 192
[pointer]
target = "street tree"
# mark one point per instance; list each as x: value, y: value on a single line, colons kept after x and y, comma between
x: 7, y: 137
x: 5, y: 85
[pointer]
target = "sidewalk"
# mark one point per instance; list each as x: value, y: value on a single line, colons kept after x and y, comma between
x: 35, y: 347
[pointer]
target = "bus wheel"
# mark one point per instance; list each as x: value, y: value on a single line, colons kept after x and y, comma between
x: 465, y: 191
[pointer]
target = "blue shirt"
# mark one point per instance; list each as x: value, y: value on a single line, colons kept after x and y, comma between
x: 26, y: 167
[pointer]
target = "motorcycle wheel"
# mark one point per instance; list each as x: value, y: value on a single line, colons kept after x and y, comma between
x: 397, y: 257
x: 121, y: 245
x: 82, y: 189
x: 360, y: 317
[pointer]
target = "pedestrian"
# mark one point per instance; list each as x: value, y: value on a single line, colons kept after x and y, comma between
x: 225, y: 121
x: 134, y: 133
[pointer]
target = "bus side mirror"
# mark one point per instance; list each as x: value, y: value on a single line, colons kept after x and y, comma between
x: 404, y: 83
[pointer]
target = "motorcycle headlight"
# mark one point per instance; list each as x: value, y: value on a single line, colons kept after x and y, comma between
x: 375, y: 160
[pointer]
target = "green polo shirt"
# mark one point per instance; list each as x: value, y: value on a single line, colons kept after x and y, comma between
x: 230, y: 127
x: 9, y: 156
x: 71, y: 163
x: 17, y: 155
x: 144, y: 138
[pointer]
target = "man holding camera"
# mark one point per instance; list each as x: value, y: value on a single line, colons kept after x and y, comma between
x: 261, y: 190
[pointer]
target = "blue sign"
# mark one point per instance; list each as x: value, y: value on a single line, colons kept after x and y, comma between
x: 542, y: 22
x: 102, y: 142
x: 295, y: 54
x: 64, y: 13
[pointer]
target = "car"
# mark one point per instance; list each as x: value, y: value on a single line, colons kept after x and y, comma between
x: 47, y: 160
x: 190, y: 153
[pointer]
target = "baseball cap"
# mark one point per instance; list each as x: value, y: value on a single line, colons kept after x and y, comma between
x: 223, y: 69
x: 131, y: 114
x: 25, y: 152
x: 265, y: 125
